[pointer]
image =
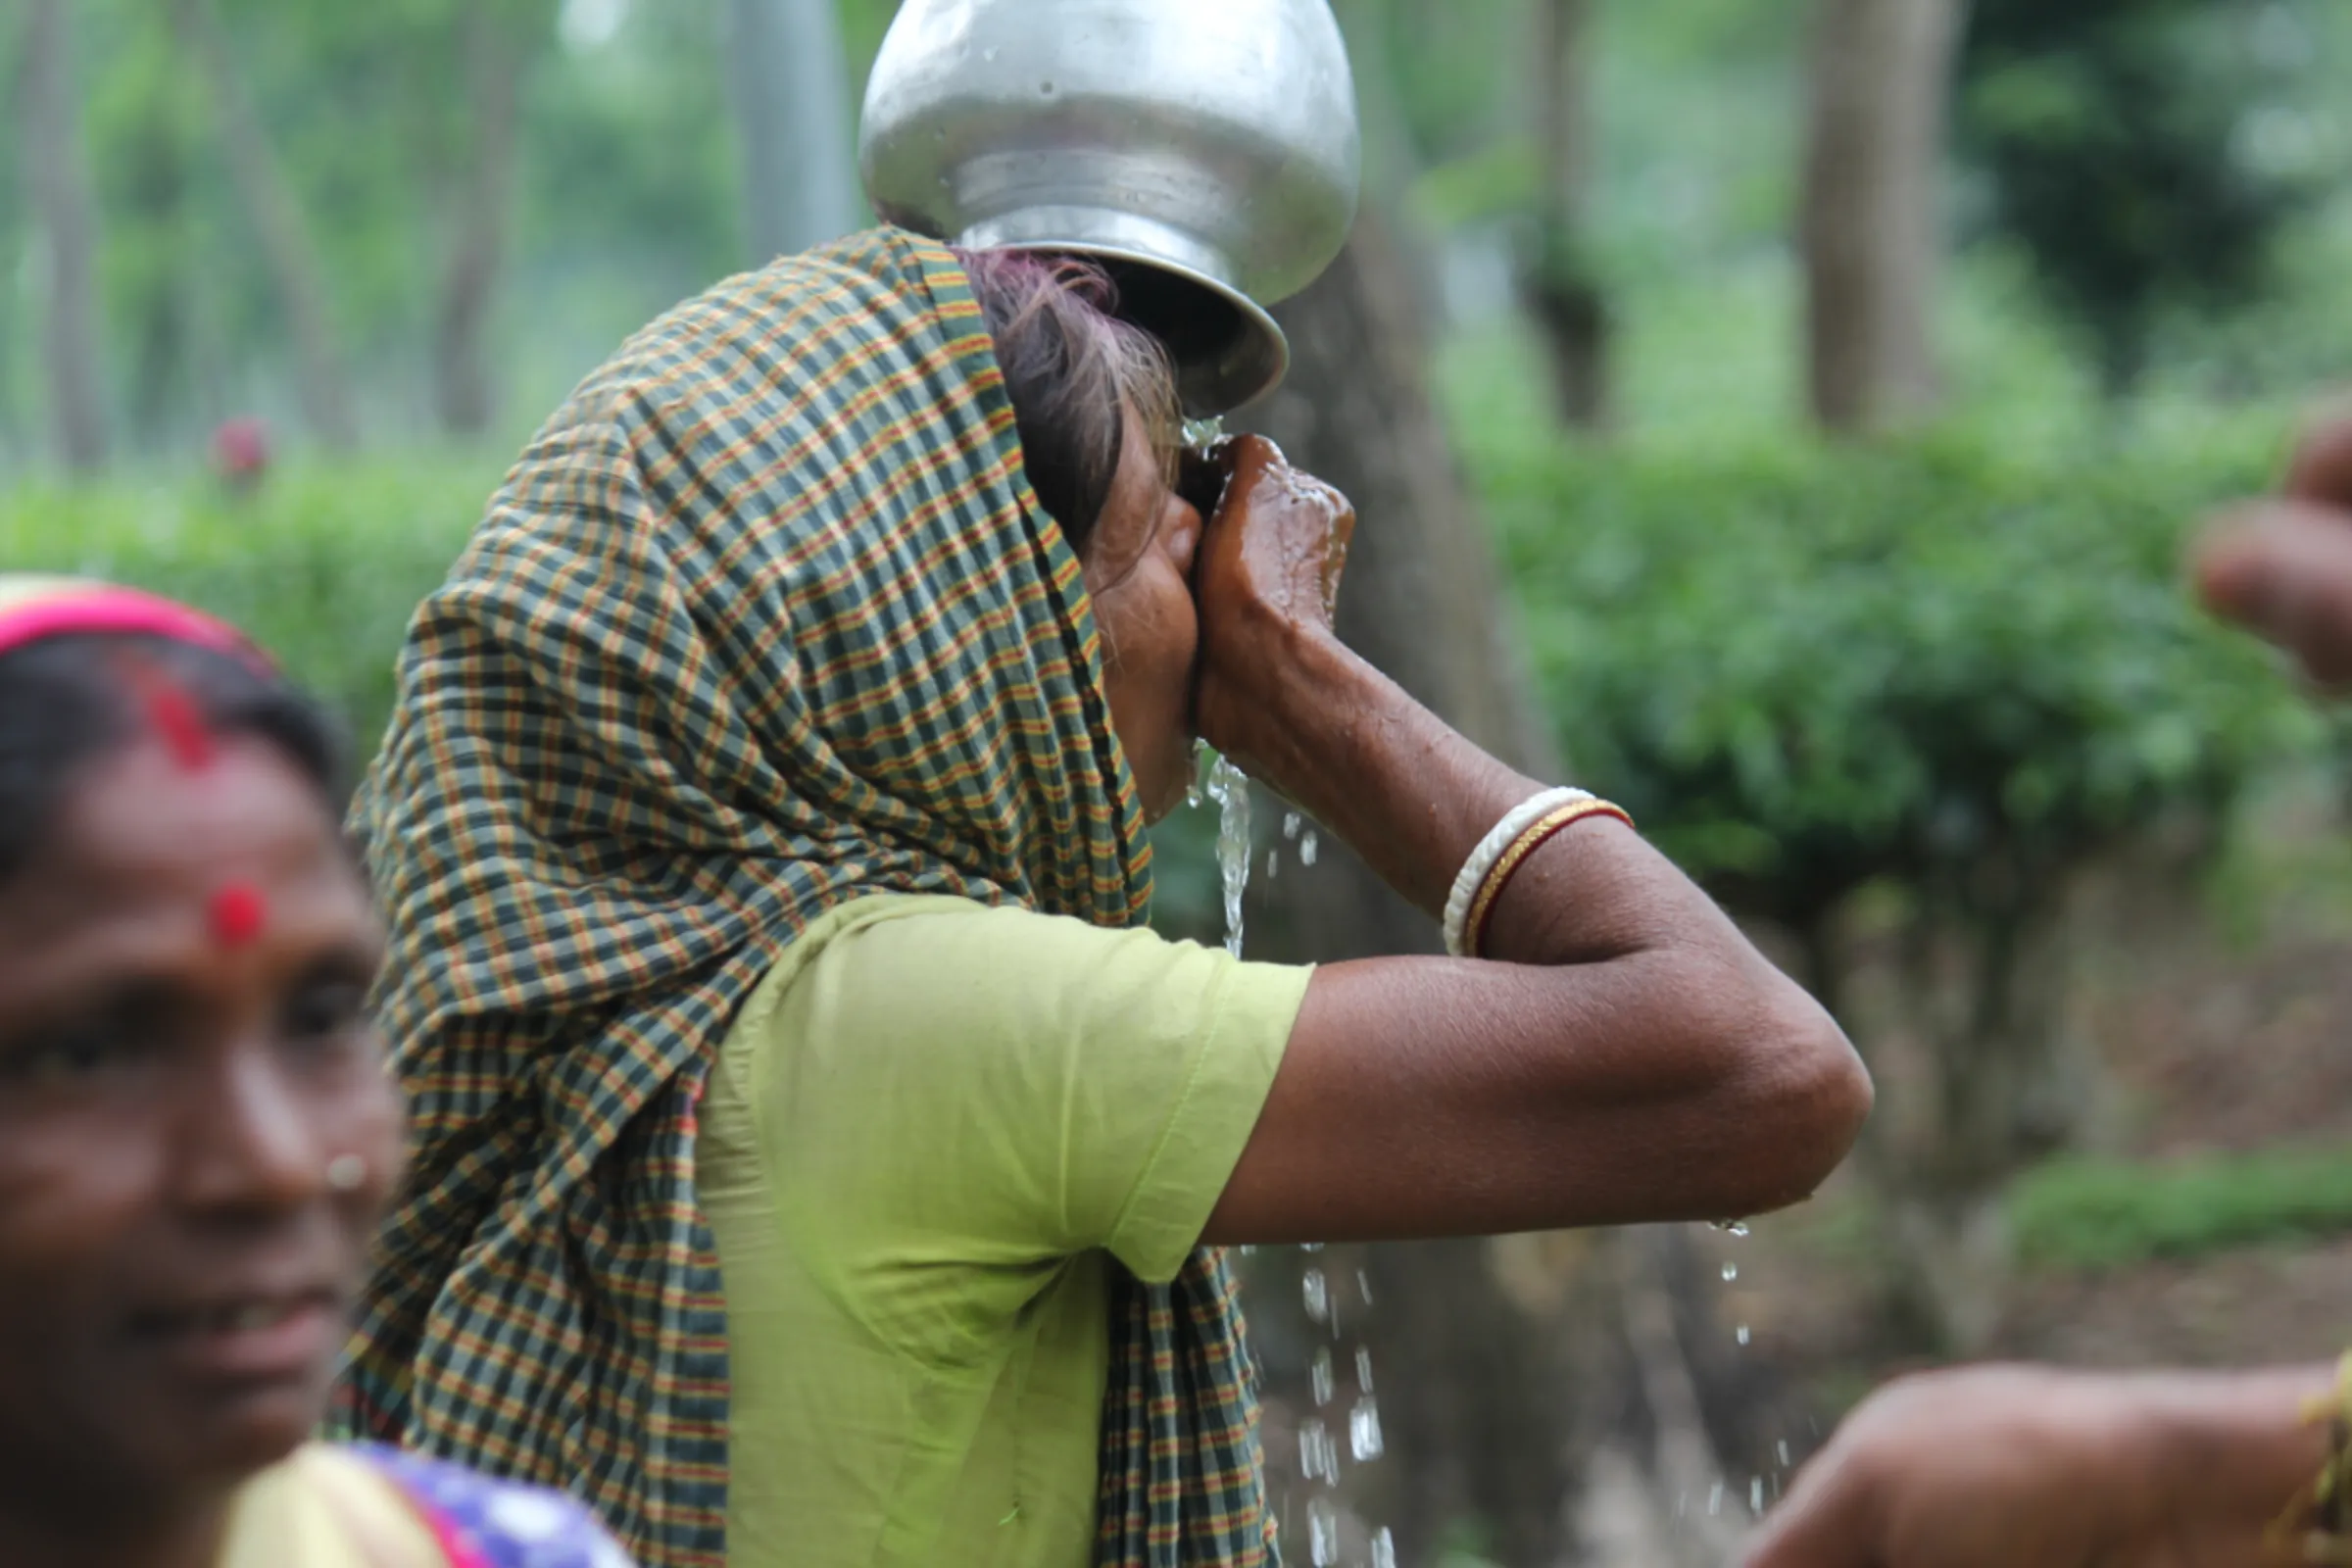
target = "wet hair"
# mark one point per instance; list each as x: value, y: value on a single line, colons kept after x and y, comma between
x: 1072, y: 367
x: 71, y: 702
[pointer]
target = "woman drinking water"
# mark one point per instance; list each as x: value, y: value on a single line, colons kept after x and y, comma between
x: 819, y: 1159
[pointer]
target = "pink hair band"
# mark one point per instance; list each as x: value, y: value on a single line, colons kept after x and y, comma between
x: 124, y: 612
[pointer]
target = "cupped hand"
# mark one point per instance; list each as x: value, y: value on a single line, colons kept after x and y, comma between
x: 2283, y: 567
x: 1267, y: 584
x: 2009, y: 1468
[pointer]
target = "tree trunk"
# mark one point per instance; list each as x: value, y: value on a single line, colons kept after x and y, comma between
x: 59, y: 184
x: 1477, y: 1403
x: 790, y: 87
x: 1564, y: 290
x: 286, y: 247
x: 495, y: 57
x: 1881, y: 88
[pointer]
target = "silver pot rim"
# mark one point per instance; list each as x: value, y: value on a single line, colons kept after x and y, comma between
x: 1244, y: 368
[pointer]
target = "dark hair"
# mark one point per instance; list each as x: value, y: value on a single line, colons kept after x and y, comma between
x: 72, y: 701
x: 1072, y: 367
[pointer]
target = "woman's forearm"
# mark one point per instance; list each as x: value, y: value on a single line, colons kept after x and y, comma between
x: 1413, y: 797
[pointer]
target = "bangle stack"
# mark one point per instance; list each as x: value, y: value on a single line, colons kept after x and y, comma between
x: 1491, y: 866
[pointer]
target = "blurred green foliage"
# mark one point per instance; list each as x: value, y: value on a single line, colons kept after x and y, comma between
x: 2146, y: 155
x: 1805, y: 668
x: 2099, y: 1214
x: 322, y: 567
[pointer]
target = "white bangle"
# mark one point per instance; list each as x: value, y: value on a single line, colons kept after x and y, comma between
x: 1491, y: 849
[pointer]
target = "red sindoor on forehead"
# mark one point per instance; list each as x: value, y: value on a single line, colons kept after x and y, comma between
x: 237, y: 914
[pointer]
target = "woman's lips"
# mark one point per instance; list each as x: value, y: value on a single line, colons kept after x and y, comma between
x: 260, y: 1338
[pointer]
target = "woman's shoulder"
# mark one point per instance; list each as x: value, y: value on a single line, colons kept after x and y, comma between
x: 483, y: 1521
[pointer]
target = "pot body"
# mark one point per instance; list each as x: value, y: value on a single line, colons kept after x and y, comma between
x: 1211, y: 142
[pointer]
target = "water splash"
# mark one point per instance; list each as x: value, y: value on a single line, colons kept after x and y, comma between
x: 1229, y: 787
x: 1731, y: 1272
x: 1308, y: 848
x: 1204, y: 432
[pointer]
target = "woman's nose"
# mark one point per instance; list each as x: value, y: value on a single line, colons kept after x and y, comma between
x: 249, y: 1146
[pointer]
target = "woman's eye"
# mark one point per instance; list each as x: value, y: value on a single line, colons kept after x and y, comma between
x: 326, y: 1012
x: 76, y: 1054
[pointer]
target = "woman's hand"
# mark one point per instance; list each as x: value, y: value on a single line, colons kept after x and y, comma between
x: 1267, y: 584
x: 2031, y: 1467
x: 2283, y: 567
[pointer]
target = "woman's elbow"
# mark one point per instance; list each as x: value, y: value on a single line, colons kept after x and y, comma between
x: 1807, y: 1095
x: 1790, y: 1093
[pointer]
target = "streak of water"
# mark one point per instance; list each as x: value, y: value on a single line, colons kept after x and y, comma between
x: 1363, y: 1430
x: 1383, y: 1549
x: 1317, y: 1294
x: 1321, y: 1376
x: 1318, y: 1454
x: 1755, y: 1496
x: 1363, y: 1370
x: 1323, y: 1533
x: 1229, y: 787
x: 1743, y: 1334
x: 1308, y: 848
x: 1291, y: 823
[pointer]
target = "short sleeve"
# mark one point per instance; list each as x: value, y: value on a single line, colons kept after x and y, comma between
x: 942, y: 1082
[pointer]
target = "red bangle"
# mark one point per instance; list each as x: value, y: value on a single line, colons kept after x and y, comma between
x: 1490, y: 891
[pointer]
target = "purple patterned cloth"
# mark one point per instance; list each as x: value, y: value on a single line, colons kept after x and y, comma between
x: 498, y: 1524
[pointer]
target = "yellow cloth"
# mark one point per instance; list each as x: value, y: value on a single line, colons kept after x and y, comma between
x: 326, y: 1509
x: 930, y: 1131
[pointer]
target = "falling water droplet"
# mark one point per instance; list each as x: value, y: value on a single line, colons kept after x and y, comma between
x: 1318, y: 1454
x: 1363, y: 1369
x: 1311, y: 1247
x: 1192, y: 795
x: 1363, y: 1430
x: 1782, y: 1449
x: 1755, y: 1495
x: 1743, y: 1334
x: 1715, y: 1500
x: 1308, y: 849
x: 1317, y: 1294
x: 1320, y: 1376
x: 1291, y: 823
x: 1731, y: 1272
x: 1363, y: 1287
x: 1731, y: 1227
x: 1383, y: 1549
x: 1273, y: 864
x: 1323, y: 1533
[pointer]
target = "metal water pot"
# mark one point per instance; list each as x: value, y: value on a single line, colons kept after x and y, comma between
x: 1206, y: 150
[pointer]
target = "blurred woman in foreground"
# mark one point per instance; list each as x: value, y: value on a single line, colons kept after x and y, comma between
x: 2038, y: 1467
x: 196, y: 1131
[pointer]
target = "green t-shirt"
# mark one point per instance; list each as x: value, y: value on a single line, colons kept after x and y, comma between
x: 928, y: 1135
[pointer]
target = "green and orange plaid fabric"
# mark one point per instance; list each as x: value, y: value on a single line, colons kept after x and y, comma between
x: 764, y: 618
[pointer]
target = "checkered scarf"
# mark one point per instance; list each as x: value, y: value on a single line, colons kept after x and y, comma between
x: 765, y: 618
